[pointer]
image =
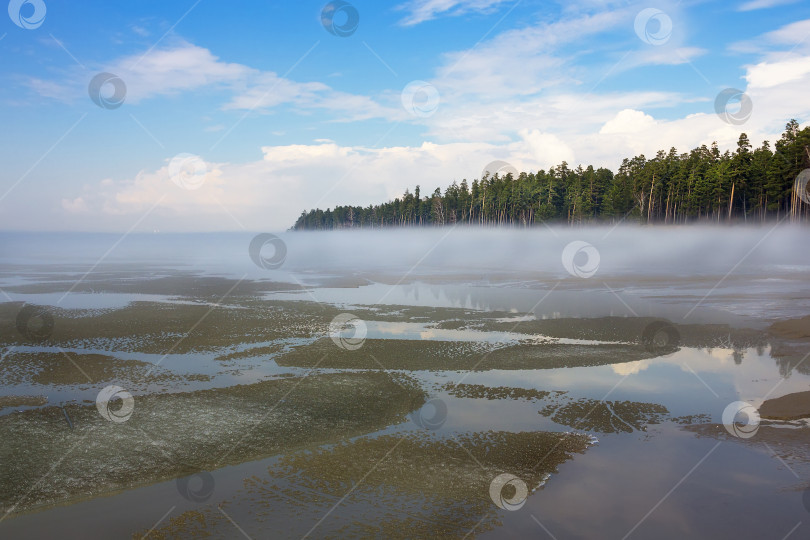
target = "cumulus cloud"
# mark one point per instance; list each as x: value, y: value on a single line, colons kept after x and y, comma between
x: 273, y: 191
x: 628, y: 121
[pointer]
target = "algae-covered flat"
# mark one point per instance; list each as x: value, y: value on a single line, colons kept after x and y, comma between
x: 70, y: 368
x: 159, y: 328
x: 402, y: 354
x: 170, y: 435
x: 606, y: 416
x: 479, y: 391
x: 409, y: 485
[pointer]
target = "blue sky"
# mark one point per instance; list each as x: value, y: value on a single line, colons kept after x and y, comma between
x: 239, y: 115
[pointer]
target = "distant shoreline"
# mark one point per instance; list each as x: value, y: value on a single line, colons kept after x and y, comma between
x: 703, y: 185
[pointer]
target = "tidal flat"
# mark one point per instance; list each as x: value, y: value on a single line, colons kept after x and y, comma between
x: 359, y: 404
x: 178, y: 434
x: 425, y: 487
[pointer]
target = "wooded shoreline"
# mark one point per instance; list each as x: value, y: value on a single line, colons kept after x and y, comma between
x: 704, y: 185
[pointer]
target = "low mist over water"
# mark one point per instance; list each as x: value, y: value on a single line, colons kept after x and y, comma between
x: 614, y: 250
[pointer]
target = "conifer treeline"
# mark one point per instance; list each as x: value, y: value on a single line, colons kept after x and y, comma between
x: 704, y: 184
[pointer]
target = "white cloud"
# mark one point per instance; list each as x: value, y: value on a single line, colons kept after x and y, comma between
x: 628, y: 121
x: 184, y: 67
x: 269, y: 90
x: 522, y: 82
x: 565, y: 114
x: 631, y: 368
x: 420, y: 11
x: 169, y: 71
x: 273, y: 191
x: 542, y: 55
x: 772, y: 74
x: 75, y: 206
x: 174, y: 70
x: 792, y: 36
x: 546, y: 149
x: 764, y: 4
x: 526, y: 79
x: 520, y: 62
x: 661, y: 56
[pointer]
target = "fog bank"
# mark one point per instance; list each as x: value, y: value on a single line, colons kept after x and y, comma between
x: 556, y: 252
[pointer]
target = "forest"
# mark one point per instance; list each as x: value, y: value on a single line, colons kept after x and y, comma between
x: 747, y: 184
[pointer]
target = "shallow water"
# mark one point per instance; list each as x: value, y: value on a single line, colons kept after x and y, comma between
x: 635, y: 430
